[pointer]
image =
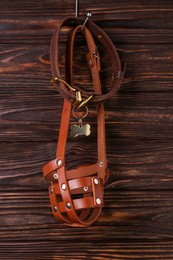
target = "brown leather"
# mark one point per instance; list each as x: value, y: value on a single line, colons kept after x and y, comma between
x: 100, y: 36
x: 76, y: 195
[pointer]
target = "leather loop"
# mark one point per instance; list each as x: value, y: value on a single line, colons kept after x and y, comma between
x: 104, y: 40
x: 52, y: 166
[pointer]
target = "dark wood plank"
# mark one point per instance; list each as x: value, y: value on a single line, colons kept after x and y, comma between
x: 129, y: 219
x: 139, y: 22
x: 144, y: 99
x: 50, y: 250
x: 132, y: 208
x: 137, y: 165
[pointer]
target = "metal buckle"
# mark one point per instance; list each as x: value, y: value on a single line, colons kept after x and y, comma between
x: 79, y: 101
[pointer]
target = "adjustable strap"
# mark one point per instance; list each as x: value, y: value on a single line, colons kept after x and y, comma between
x: 101, y: 36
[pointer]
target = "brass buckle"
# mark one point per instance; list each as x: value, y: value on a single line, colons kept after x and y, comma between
x: 79, y: 101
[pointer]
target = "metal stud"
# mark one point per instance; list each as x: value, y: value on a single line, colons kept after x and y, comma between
x: 85, y: 188
x: 55, y: 209
x: 98, y: 201
x: 55, y: 176
x: 51, y: 190
x: 96, y: 56
x: 59, y: 162
x: 96, y: 181
x: 101, y: 164
x: 68, y: 205
x: 90, y: 62
x: 63, y: 186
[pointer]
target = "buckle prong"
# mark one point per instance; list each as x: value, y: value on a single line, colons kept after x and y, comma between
x: 84, y: 102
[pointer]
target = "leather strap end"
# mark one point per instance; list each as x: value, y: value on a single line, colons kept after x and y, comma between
x: 97, y: 191
x: 52, y: 166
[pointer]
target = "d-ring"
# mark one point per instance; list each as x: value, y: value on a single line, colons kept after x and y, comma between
x: 79, y: 117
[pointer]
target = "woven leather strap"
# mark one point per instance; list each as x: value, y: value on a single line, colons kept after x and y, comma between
x: 76, y: 195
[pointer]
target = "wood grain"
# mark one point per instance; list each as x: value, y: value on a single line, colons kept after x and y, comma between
x: 136, y: 222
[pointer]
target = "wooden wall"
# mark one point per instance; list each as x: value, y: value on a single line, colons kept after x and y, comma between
x: 137, y: 220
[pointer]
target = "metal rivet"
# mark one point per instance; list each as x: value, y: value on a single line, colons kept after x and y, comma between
x: 55, y: 209
x: 101, y: 164
x: 90, y: 62
x: 63, y: 186
x: 89, y: 14
x: 98, y: 201
x: 96, y: 181
x: 55, y: 176
x: 58, y: 162
x: 68, y: 205
x: 85, y: 188
x: 51, y: 190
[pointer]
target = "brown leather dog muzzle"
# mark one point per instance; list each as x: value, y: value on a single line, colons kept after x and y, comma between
x: 76, y: 195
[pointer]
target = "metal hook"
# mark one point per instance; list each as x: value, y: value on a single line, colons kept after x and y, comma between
x: 88, y: 16
x: 76, y: 8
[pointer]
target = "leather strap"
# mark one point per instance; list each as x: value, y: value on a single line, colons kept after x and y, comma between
x: 76, y: 195
x: 104, y: 40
